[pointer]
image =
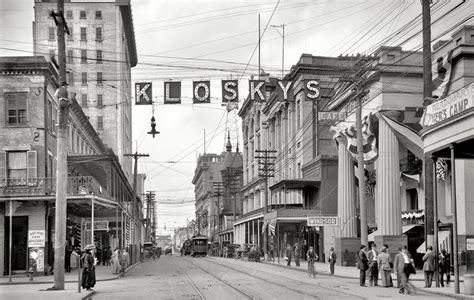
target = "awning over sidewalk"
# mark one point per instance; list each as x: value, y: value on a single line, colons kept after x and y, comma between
x: 443, y: 238
x: 405, y: 229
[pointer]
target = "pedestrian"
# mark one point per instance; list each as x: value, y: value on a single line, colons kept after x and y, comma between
x: 74, y: 258
x: 408, y: 269
x: 288, y: 253
x: 123, y: 262
x: 332, y: 260
x: 383, y: 262
x: 115, y: 261
x: 297, y: 254
x: 399, y: 265
x: 67, y: 258
x: 88, y: 268
x: 311, y: 256
x: 444, y: 267
x: 362, y: 264
x: 372, y: 256
x: 429, y: 266
x: 391, y: 265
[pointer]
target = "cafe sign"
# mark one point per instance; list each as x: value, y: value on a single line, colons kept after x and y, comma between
x: 450, y: 106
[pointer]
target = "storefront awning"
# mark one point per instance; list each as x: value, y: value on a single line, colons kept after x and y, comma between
x: 405, y: 229
x: 295, y: 184
x: 442, y: 237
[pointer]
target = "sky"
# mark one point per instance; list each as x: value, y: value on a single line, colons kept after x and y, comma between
x: 213, y: 40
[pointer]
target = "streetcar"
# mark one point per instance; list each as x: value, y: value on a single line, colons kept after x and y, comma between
x: 186, y: 248
x: 199, y: 245
x: 148, y: 250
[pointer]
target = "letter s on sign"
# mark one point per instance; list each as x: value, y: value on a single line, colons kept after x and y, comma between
x: 36, y: 136
x: 311, y: 86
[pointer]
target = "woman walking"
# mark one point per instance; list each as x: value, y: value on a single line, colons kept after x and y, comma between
x: 384, y: 262
x: 311, y: 256
x: 88, y: 268
x: 116, y: 262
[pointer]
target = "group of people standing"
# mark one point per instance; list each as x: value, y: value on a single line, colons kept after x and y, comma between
x: 373, y: 263
x: 293, y: 252
x: 120, y: 261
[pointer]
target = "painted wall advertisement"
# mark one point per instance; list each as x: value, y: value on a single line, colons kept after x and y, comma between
x: 36, y: 259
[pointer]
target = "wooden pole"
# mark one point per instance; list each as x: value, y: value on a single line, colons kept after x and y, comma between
x: 455, y: 220
x: 435, y: 224
x: 360, y: 175
x: 10, y: 246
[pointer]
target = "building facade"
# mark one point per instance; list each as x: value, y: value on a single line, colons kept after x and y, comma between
x: 100, y: 52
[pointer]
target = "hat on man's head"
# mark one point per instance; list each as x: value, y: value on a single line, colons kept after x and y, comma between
x: 64, y: 83
x: 89, y: 247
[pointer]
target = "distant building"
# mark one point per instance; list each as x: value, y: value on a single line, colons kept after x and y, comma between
x: 100, y: 52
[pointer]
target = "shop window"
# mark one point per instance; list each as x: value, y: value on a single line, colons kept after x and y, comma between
x: 16, y: 108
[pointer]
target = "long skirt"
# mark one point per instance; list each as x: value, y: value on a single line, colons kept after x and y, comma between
x: 386, y: 277
x: 88, y: 278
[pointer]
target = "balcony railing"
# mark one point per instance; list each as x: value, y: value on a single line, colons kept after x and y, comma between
x: 79, y: 185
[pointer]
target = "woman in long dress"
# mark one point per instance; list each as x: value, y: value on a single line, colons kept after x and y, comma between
x: 116, y: 261
x: 384, y: 261
x: 88, y: 268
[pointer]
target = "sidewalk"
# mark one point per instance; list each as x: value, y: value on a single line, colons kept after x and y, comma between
x: 22, y: 288
x: 353, y: 273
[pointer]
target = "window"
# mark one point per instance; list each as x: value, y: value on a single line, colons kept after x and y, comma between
x: 83, y: 56
x: 84, y: 78
x: 83, y: 34
x: 98, y: 34
x: 68, y: 14
x: 100, y: 102
x: 70, y: 75
x: 84, y: 100
x: 99, y: 56
x: 70, y: 56
x: 82, y: 14
x: 99, y: 77
x: 70, y: 35
x: 98, y: 14
x: 18, y: 166
x: 16, y: 107
x: 100, y: 122
x: 52, y: 34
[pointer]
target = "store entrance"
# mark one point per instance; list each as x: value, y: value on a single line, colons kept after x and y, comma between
x: 19, y: 243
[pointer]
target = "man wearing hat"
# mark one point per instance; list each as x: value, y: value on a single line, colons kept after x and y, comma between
x: 88, y: 268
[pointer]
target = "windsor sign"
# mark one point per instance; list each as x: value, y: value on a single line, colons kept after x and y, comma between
x: 230, y: 91
x: 323, y: 221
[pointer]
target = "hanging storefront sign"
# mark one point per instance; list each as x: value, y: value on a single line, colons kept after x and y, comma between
x: 143, y: 95
x: 201, y: 92
x: 311, y: 90
x: 331, y: 116
x: 35, y: 238
x: 323, y: 221
x: 98, y: 225
x: 172, y: 92
x: 285, y: 90
x: 257, y: 90
x: 230, y: 91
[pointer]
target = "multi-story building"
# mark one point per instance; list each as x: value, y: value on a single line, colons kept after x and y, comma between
x: 97, y: 190
x: 100, y: 52
x: 207, y: 172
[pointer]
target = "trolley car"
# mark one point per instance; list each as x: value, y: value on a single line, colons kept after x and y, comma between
x: 199, y: 245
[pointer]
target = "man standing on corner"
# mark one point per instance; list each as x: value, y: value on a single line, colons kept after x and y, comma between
x: 332, y: 260
x: 429, y: 266
x: 372, y: 256
x: 362, y: 264
x: 398, y: 265
x: 297, y: 254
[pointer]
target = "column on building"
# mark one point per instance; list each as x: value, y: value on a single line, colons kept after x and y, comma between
x: 388, y: 208
x: 346, y: 208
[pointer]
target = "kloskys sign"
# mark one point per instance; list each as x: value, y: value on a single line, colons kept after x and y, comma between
x: 230, y: 91
x: 448, y: 107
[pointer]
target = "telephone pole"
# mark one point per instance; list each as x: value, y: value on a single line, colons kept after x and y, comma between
x: 217, y: 192
x: 61, y: 171
x: 135, y: 212
x: 266, y: 169
x: 150, y: 198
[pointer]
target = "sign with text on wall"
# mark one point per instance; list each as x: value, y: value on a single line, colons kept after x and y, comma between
x: 98, y: 225
x: 323, y: 221
x: 35, y: 238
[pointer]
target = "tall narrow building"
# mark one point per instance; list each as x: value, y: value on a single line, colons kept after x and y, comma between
x: 100, y: 52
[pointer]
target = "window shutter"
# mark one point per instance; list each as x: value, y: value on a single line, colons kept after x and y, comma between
x: 31, y: 165
x: 3, y: 166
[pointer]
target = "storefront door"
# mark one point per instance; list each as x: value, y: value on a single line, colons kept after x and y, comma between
x: 19, y: 242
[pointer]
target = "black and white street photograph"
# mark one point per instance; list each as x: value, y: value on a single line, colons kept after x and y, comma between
x: 218, y: 149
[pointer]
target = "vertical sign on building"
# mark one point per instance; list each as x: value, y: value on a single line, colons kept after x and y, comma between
x: 172, y: 92
x: 257, y: 90
x: 143, y: 95
x: 230, y: 91
x: 311, y: 87
x: 201, y: 92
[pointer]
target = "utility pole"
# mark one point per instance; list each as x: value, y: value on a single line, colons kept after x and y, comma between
x: 61, y: 173
x: 259, y: 40
x: 427, y: 162
x: 217, y: 191
x: 150, y: 197
x: 266, y: 169
x: 135, y: 212
x: 282, y: 26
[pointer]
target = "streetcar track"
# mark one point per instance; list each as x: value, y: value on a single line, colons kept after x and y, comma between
x: 219, y: 279
x: 190, y: 281
x: 289, y: 288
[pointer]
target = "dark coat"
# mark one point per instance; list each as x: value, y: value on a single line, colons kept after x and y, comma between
x: 88, y: 271
x: 429, y: 261
x: 399, y: 263
x: 362, y: 261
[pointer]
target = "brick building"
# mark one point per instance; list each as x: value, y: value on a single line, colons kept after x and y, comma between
x: 100, y: 52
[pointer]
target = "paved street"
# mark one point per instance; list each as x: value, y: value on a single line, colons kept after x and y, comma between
x: 178, y: 277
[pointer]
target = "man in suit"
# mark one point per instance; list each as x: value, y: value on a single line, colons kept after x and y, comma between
x: 362, y: 264
x: 398, y: 265
x: 429, y: 266
x: 297, y: 254
x: 332, y: 260
x: 372, y: 256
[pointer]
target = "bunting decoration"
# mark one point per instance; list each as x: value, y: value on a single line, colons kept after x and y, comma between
x: 272, y: 226
x: 441, y: 169
x: 441, y: 71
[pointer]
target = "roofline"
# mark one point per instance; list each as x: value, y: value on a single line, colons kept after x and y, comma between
x: 126, y: 12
